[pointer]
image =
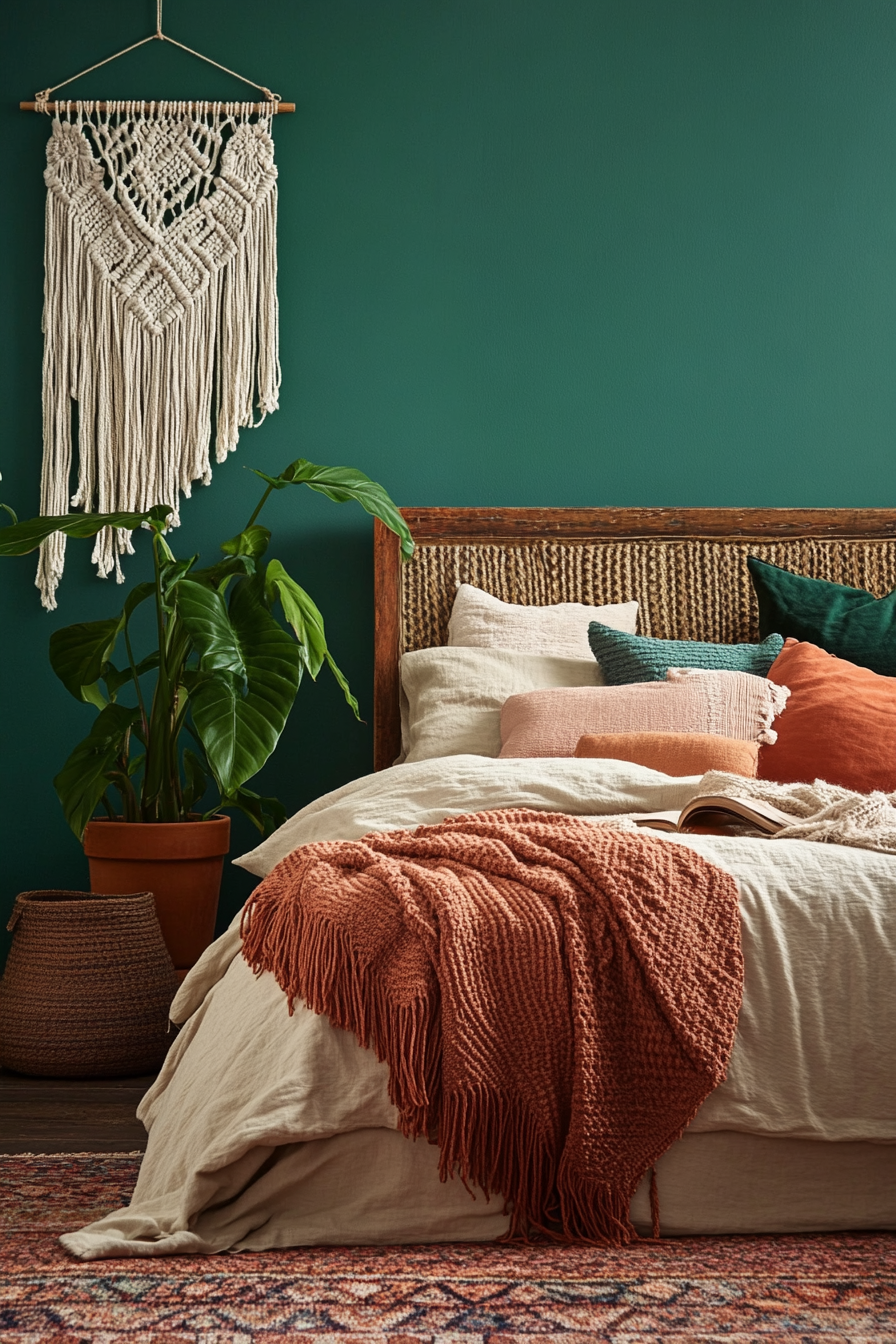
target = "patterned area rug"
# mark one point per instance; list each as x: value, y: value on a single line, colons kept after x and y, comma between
x: 831, y: 1288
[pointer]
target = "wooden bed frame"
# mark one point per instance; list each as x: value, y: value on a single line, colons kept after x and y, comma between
x: 686, y: 567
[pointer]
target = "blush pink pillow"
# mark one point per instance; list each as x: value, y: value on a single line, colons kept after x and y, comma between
x: 727, y: 704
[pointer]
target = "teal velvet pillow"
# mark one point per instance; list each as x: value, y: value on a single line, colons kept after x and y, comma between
x: 625, y: 659
x: 847, y: 622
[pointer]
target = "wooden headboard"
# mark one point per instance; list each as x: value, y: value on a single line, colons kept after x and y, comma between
x: 686, y: 568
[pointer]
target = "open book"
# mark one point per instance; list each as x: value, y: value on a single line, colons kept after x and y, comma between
x: 714, y: 812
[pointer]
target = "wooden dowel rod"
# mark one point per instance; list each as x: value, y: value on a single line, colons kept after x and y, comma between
x: 256, y: 107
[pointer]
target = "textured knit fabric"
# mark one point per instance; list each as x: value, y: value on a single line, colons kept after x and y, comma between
x: 628, y: 658
x: 673, y: 753
x: 725, y: 704
x: 825, y: 813
x: 554, y: 999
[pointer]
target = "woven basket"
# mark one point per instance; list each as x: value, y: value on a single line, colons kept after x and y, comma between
x: 87, y: 986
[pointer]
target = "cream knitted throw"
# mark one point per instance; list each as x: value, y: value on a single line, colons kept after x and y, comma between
x: 160, y: 304
x: 821, y: 811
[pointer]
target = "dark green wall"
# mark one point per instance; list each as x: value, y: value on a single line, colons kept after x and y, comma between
x: 532, y: 252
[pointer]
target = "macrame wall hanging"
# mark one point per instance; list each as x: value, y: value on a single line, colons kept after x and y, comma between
x: 160, y: 300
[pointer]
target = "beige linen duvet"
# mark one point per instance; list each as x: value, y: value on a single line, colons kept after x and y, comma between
x: 270, y: 1130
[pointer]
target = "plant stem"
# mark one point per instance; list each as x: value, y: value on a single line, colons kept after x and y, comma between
x: 261, y: 504
x: 160, y: 613
x: 136, y: 680
x: 128, y: 795
x: 126, y: 789
x: 162, y: 770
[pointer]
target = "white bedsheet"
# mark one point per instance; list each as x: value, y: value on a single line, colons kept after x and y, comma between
x: 815, y: 1055
x: 245, y: 1085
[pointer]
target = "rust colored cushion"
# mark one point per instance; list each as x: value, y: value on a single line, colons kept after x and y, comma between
x: 839, y: 724
x: 674, y: 753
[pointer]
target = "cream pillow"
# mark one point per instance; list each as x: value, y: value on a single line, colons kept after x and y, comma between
x: 480, y: 621
x: 452, y: 698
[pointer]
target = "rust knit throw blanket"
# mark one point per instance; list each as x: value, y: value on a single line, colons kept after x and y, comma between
x: 554, y: 999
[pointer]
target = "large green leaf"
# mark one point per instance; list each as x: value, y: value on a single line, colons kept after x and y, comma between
x: 78, y: 654
x: 240, y: 554
x: 21, y: 538
x: 344, y: 686
x: 219, y: 575
x: 204, y: 613
x: 252, y: 541
x: 343, y: 484
x: 170, y: 574
x: 265, y: 813
x: 82, y: 781
x: 247, y: 680
x: 139, y: 593
x: 304, y: 616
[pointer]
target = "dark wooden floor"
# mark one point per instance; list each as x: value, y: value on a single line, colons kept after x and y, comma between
x: 48, y: 1115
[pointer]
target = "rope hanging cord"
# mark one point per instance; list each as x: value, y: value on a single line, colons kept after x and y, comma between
x: 160, y: 305
x: 41, y: 98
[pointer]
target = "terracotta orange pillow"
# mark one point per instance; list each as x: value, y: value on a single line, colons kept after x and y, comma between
x: 674, y: 753
x: 839, y: 724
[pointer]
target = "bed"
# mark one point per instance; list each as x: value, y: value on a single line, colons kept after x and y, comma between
x: 269, y: 1130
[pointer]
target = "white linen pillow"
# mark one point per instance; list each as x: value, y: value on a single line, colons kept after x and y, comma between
x: 481, y: 621
x: 453, y: 696
x: 723, y: 704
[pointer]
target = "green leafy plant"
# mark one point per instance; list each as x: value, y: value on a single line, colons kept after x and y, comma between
x: 209, y: 702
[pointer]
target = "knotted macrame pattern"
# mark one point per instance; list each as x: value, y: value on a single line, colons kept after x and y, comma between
x: 160, y: 303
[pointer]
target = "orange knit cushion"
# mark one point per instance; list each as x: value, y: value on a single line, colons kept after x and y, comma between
x: 839, y: 724
x: 554, y: 1000
x: 674, y: 753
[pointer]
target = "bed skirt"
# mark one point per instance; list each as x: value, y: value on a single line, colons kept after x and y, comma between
x: 374, y: 1187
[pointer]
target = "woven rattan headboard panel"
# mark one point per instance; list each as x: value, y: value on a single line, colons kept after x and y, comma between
x: 685, y: 567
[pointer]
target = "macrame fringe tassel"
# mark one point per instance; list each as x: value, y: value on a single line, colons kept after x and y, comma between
x: 62, y: 305
x: 248, y: 324
x: 145, y: 400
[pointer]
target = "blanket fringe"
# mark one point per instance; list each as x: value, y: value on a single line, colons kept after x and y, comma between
x: 490, y: 1141
x: 315, y: 961
x: 485, y: 1139
x: 362, y: 936
x: 654, y: 1205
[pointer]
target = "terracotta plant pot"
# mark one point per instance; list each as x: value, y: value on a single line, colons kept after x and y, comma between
x: 180, y: 862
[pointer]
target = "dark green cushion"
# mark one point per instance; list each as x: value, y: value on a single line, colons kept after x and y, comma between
x: 625, y: 659
x: 847, y: 622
